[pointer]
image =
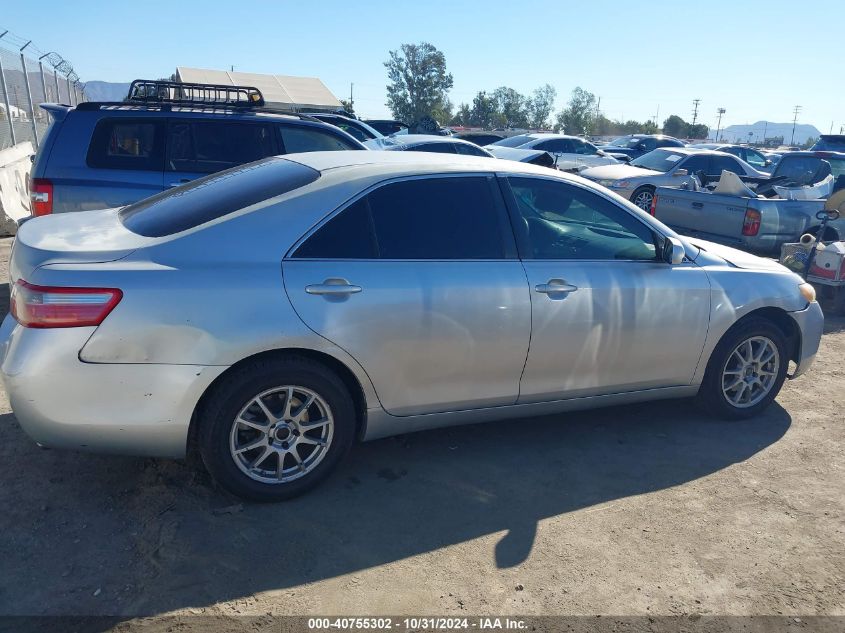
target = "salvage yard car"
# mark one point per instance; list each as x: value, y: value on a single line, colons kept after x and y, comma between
x: 668, y: 167
x: 98, y: 155
x: 270, y: 315
x: 570, y: 152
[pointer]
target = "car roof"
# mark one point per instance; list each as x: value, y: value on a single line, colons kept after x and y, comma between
x: 423, y: 139
x: 818, y: 153
x: 539, y: 135
x: 398, y: 163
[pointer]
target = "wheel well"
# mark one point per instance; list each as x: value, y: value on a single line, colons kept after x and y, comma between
x: 830, y: 233
x: 342, y: 371
x: 784, y: 323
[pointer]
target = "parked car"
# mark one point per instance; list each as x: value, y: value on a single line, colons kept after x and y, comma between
x: 758, y: 225
x: 368, y: 135
x: 435, y: 143
x: 479, y: 138
x: 756, y: 159
x: 635, y: 145
x: 270, y: 315
x: 387, y: 126
x: 830, y: 143
x: 438, y: 144
x: 807, y: 168
x: 99, y: 155
x: 570, y: 152
x: 667, y: 167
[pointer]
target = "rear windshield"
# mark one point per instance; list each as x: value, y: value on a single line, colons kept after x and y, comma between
x: 214, y: 196
x: 658, y: 160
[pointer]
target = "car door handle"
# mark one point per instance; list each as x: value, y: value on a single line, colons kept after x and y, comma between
x: 555, y: 286
x: 180, y: 183
x: 333, y: 287
x: 697, y: 205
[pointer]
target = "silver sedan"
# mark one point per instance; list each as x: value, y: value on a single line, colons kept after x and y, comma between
x: 666, y: 167
x: 270, y: 315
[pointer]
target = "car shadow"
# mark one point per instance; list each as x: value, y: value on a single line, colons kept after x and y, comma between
x: 128, y: 537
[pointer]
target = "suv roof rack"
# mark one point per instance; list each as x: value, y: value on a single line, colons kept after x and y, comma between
x: 153, y: 91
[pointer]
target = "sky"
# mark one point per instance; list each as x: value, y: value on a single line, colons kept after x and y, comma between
x: 758, y: 60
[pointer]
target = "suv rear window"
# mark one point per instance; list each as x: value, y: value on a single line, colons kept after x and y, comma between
x: 214, y: 196
x: 127, y: 144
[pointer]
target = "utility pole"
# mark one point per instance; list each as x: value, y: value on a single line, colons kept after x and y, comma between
x: 795, y: 112
x: 695, y: 103
x: 657, y: 116
x: 765, y: 128
x: 720, y: 112
x: 351, y: 100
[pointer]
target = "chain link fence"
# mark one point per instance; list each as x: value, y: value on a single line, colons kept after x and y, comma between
x: 28, y: 78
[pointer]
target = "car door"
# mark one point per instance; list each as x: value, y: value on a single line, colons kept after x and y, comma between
x: 563, y: 151
x: 197, y: 147
x: 608, y: 316
x: 419, y: 281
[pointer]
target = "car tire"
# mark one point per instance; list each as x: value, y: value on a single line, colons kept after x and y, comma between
x: 259, y: 405
x: 725, y: 367
x: 642, y: 197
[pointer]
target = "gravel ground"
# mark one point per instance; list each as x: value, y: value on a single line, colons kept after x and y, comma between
x: 643, y: 510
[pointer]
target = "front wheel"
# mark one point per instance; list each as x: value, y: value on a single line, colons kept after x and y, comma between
x: 274, y: 429
x: 643, y: 197
x: 746, y: 370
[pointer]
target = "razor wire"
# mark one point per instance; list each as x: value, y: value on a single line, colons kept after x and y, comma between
x: 28, y: 78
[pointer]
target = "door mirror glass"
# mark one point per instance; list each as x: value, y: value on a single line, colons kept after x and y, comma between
x: 673, y: 251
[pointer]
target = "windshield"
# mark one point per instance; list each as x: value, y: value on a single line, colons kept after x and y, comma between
x: 514, y: 141
x: 658, y: 160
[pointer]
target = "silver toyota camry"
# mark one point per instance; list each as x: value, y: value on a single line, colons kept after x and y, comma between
x: 271, y: 315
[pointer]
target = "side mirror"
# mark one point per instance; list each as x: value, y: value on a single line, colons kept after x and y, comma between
x: 679, y: 173
x: 768, y: 162
x: 673, y: 251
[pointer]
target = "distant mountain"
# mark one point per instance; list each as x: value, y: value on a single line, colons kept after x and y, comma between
x: 106, y: 91
x: 739, y: 133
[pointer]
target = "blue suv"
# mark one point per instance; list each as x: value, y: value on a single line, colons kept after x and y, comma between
x: 101, y: 155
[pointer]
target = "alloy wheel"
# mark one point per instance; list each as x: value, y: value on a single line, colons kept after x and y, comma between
x: 282, y: 434
x: 750, y: 372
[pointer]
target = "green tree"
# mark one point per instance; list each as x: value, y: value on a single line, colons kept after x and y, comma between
x: 675, y: 126
x: 699, y: 130
x: 511, y: 106
x: 578, y: 116
x: 809, y: 142
x: 649, y: 127
x: 418, y: 83
x: 483, y: 110
x: 540, y: 106
x: 347, y: 105
x: 462, y: 116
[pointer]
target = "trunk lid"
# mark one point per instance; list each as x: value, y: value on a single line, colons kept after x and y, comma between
x: 85, y: 237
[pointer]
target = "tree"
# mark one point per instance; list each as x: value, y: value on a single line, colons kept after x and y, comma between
x: 578, y: 116
x: 699, y: 130
x: 419, y: 83
x: 347, y: 105
x: 462, y: 116
x: 675, y: 126
x: 511, y: 106
x: 540, y: 106
x: 483, y: 110
x: 649, y: 127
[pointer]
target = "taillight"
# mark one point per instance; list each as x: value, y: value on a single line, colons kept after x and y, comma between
x: 751, y: 223
x: 48, y: 307
x: 653, y: 204
x: 41, y: 196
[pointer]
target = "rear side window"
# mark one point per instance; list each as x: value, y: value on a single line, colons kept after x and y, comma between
x: 127, y: 144
x: 430, y: 218
x: 437, y: 148
x: 214, y: 196
x: 296, y: 139
x: 206, y: 147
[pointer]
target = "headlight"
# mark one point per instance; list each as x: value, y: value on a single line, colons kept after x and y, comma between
x: 808, y: 292
x: 620, y: 184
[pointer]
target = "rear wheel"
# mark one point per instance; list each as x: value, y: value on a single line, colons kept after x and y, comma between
x: 746, y: 370
x: 643, y: 198
x: 274, y: 429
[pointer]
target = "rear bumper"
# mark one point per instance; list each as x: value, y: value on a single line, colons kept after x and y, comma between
x: 61, y: 402
x: 810, y: 322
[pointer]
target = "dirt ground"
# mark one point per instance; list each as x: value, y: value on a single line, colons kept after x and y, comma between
x: 650, y: 509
